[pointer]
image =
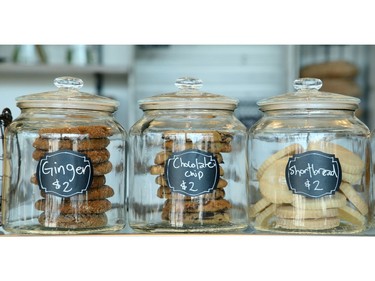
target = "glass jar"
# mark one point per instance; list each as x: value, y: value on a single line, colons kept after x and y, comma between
x: 188, y: 163
x: 5, y: 119
x: 64, y: 164
x: 309, y: 163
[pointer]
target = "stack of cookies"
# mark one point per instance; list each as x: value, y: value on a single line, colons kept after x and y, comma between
x: 337, y: 76
x: 180, y: 209
x: 279, y: 207
x: 88, y: 209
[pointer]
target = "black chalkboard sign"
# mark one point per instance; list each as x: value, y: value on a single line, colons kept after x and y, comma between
x: 192, y: 172
x: 313, y: 174
x: 64, y: 173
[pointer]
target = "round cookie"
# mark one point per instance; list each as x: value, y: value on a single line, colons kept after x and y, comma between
x: 97, y: 181
x: 193, y: 136
x: 336, y: 200
x: 289, y: 212
x: 348, y: 214
x: 193, y: 218
x: 258, y: 207
x: 213, y: 147
x: 166, y: 192
x: 263, y: 218
x: 350, y: 162
x: 101, y: 169
x: 59, y: 205
x: 74, y: 221
x: 191, y: 206
x: 92, y: 132
x: 308, y: 224
x: 354, y: 198
x: 341, y: 86
x: 70, y: 144
x: 161, y: 157
x: 96, y: 156
x: 273, y: 186
x: 286, y: 151
x: 91, y: 194
x: 160, y: 180
x: 330, y: 69
x: 157, y: 170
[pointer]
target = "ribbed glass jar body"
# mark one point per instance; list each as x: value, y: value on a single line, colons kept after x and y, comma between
x: 188, y: 171
x: 64, y: 172
x: 309, y: 172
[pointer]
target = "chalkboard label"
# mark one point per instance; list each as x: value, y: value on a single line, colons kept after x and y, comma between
x: 64, y: 173
x: 192, y: 172
x: 313, y: 174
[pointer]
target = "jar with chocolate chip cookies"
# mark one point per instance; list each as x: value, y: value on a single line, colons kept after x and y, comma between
x: 309, y: 160
x: 64, y: 164
x: 188, y: 163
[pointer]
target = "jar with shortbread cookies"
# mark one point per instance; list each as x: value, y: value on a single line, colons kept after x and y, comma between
x: 64, y: 164
x: 187, y: 164
x: 309, y: 164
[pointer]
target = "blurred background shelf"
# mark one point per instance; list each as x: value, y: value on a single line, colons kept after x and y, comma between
x: 60, y: 69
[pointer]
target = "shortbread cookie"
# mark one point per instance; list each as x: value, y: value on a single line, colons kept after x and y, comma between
x: 73, y: 221
x: 53, y: 204
x: 263, y: 218
x: 351, y: 178
x: 354, y: 198
x: 350, y: 215
x: 350, y: 162
x: 259, y: 206
x: 273, y: 186
x: 308, y: 224
x: 286, y: 151
x: 289, y: 212
x: 336, y: 200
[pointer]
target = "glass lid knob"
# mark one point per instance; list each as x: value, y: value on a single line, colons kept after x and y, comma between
x: 188, y: 83
x: 307, y: 84
x: 66, y: 82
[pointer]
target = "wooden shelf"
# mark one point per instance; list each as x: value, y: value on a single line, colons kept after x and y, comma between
x: 10, y: 68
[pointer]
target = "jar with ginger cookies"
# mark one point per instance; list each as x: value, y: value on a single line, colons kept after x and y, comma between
x: 64, y: 164
x: 188, y: 163
x: 309, y: 164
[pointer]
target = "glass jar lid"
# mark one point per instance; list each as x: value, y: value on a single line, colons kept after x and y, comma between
x: 67, y: 96
x: 188, y: 96
x: 308, y: 96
